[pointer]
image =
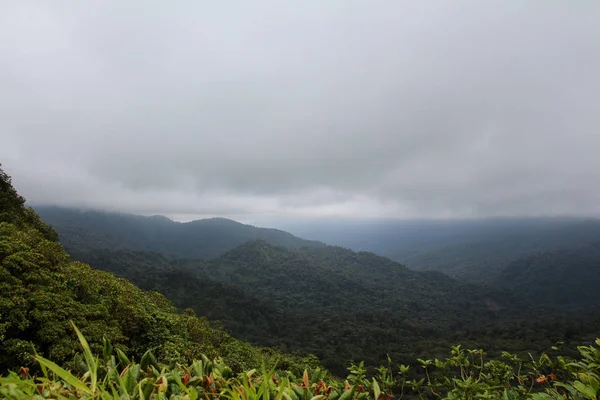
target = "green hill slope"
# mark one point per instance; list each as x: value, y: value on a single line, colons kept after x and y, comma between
x: 342, y: 305
x: 474, y: 251
x: 568, y: 278
x: 242, y: 315
x: 42, y: 290
x: 206, y: 238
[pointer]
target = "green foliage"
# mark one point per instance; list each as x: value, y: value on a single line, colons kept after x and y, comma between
x: 113, y: 376
x: 473, y: 250
x: 13, y: 210
x: 464, y: 375
x: 42, y: 291
x: 575, y: 271
x: 341, y: 305
x: 336, y: 303
x: 202, y: 239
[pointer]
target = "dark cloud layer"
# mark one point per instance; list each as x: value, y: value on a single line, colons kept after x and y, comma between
x: 268, y: 108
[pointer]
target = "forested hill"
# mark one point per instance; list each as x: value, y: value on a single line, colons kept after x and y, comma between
x: 244, y: 316
x: 342, y: 305
x: 202, y: 239
x: 42, y: 290
x: 567, y: 278
x: 335, y: 303
x: 332, y: 302
x: 471, y: 250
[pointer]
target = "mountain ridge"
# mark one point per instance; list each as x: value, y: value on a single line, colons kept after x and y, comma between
x: 299, y: 298
x: 470, y: 250
x: 43, y: 292
x: 202, y: 239
x: 327, y: 300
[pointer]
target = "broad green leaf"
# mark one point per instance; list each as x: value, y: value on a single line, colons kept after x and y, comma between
x: 587, y: 390
x: 376, y: 390
x: 148, y: 360
x: 123, y: 359
x: 89, y: 358
x: 64, y: 375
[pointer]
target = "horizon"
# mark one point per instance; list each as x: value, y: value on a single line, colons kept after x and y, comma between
x: 364, y: 109
x: 278, y: 223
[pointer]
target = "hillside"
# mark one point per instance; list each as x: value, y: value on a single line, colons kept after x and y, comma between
x: 42, y: 290
x: 298, y: 299
x: 567, y: 278
x: 341, y: 305
x: 470, y: 250
x: 335, y: 303
x: 242, y: 315
x: 202, y: 239
x: 329, y: 309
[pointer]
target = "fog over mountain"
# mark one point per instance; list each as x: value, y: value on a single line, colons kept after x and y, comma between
x: 274, y: 109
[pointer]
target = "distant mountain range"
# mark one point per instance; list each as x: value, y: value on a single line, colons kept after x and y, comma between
x: 328, y: 301
x: 471, y: 250
x: 201, y: 239
x: 275, y: 289
x: 566, y: 278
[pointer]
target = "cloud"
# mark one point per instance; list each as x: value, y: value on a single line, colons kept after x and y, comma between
x: 345, y: 108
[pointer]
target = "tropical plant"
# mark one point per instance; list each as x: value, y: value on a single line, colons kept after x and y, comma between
x: 465, y: 375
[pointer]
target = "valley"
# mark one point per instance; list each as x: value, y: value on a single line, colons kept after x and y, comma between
x: 306, y: 297
x: 294, y: 304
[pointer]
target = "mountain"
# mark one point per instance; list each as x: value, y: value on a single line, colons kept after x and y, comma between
x: 338, y: 304
x: 342, y: 305
x: 473, y: 251
x: 567, y: 278
x: 242, y: 315
x: 470, y: 250
x: 203, y: 239
x: 331, y: 302
x: 42, y: 291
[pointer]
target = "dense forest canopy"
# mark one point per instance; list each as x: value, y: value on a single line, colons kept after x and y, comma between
x: 207, y: 238
x: 471, y: 250
x: 335, y: 299
x: 326, y: 300
x: 42, y: 291
x: 307, y: 297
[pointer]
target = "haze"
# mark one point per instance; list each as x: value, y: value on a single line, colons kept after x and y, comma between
x: 271, y: 109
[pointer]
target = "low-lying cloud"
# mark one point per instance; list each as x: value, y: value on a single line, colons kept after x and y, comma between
x: 336, y: 108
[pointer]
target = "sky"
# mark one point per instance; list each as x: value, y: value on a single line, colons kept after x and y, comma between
x: 303, y: 109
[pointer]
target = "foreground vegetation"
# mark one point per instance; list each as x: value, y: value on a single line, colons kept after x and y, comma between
x: 136, y: 344
x: 344, y: 306
x: 42, y: 290
x: 463, y: 375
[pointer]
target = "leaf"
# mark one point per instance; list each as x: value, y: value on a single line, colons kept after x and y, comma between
x: 107, y: 349
x: 148, y: 360
x: 334, y: 395
x: 63, y: 374
x: 128, y: 382
x: 347, y: 394
x: 89, y: 358
x: 541, y: 396
x: 376, y: 390
x: 177, y: 379
x: 123, y: 358
x: 588, y: 391
x: 145, y: 388
x: 305, y: 379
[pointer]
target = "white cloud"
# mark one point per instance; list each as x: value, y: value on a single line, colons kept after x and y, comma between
x: 331, y: 108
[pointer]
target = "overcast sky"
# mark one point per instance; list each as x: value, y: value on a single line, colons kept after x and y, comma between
x: 268, y: 108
